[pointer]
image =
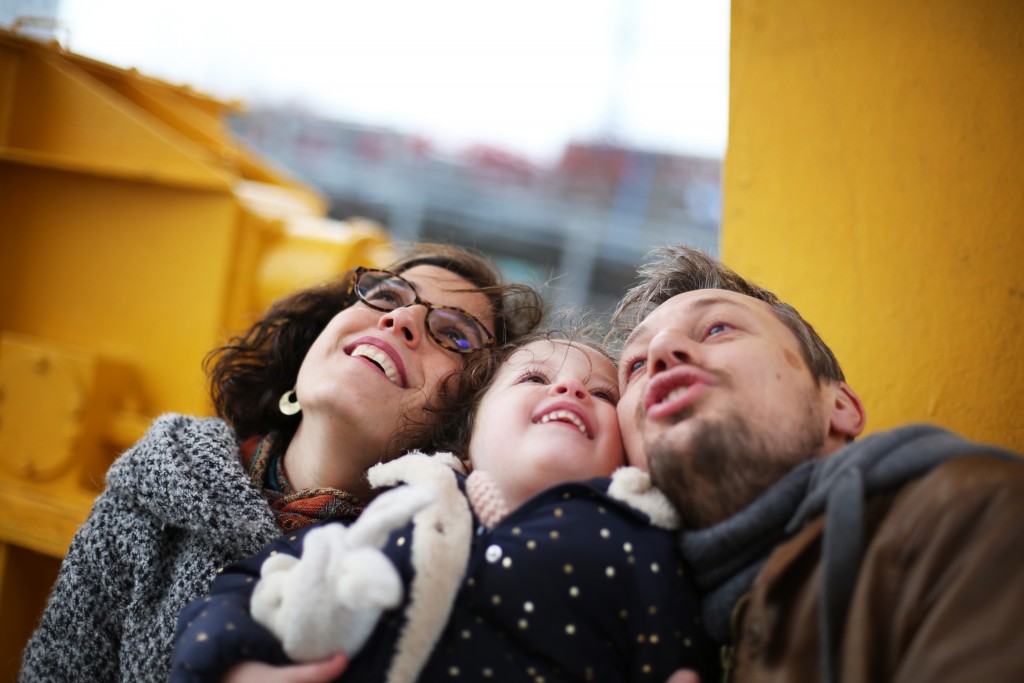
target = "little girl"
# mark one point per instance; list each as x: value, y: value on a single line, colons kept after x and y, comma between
x: 535, y: 567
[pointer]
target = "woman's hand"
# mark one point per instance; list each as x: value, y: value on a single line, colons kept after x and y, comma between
x: 317, y: 672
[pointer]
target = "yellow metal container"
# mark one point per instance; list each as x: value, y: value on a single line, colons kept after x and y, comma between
x: 136, y: 234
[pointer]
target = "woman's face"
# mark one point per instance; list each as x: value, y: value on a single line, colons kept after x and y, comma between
x: 549, y: 417
x: 370, y: 369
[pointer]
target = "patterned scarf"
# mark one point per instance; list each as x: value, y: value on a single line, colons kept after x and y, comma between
x: 293, y: 509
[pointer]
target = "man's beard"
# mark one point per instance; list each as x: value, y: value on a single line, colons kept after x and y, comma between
x: 724, y: 466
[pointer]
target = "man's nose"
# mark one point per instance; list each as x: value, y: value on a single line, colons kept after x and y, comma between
x: 668, y: 349
x: 407, y: 321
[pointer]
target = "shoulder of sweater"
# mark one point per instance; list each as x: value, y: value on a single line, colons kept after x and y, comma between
x: 187, y: 472
x: 172, y: 442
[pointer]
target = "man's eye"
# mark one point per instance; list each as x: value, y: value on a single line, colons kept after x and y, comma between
x: 635, y: 367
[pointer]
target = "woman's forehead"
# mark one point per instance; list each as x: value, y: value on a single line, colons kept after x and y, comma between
x: 444, y: 288
x: 436, y: 278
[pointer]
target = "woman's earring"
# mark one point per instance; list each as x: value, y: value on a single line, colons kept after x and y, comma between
x: 289, y: 403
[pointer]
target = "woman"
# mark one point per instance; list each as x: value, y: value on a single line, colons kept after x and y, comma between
x: 329, y: 382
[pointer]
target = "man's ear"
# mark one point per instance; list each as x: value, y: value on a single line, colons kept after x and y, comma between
x: 846, y: 418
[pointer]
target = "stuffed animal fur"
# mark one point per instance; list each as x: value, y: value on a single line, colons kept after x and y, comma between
x: 330, y: 600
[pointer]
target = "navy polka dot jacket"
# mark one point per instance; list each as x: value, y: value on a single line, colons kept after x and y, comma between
x: 572, y: 586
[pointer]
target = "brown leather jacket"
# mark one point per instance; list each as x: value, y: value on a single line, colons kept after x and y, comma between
x: 939, y: 596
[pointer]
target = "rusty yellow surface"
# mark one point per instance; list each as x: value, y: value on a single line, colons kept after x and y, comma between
x: 136, y: 234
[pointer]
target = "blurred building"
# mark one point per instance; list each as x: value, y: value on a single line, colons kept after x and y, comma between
x: 35, y: 17
x: 580, y: 226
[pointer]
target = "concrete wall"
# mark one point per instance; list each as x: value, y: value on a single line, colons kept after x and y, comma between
x: 875, y: 178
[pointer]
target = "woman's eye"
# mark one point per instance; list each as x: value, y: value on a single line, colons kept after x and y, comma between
x: 718, y: 328
x: 383, y: 296
x: 457, y: 337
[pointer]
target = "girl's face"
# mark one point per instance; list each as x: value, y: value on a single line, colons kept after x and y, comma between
x: 549, y: 417
x: 368, y: 369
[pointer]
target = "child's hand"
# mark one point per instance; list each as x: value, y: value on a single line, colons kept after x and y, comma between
x: 684, y: 676
x: 317, y: 672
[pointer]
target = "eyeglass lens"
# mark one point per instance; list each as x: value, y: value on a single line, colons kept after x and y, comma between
x: 451, y: 328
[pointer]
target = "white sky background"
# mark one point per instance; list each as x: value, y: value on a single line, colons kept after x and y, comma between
x: 527, y: 75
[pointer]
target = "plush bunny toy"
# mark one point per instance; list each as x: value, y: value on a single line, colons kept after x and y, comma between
x: 330, y: 600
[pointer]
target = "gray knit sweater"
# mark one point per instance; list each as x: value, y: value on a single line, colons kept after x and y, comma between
x: 177, y: 506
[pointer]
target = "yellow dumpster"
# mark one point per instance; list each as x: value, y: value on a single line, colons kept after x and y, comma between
x: 135, y: 234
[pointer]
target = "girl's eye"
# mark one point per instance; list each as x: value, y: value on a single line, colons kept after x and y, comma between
x: 605, y: 395
x: 533, y: 378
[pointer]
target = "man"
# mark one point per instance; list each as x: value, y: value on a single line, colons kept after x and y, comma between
x: 899, y: 557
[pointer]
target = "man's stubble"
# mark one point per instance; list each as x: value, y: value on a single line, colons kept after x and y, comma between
x: 723, y: 465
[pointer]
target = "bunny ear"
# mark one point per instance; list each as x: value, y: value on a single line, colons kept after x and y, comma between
x: 277, y: 563
x: 389, y: 511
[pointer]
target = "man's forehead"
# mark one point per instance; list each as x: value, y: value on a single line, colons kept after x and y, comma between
x: 681, y: 305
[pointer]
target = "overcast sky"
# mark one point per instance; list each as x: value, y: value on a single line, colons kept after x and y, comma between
x: 527, y: 75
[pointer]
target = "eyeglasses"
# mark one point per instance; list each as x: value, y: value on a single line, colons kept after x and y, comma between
x: 452, y: 328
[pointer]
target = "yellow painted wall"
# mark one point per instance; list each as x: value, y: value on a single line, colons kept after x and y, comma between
x: 875, y: 178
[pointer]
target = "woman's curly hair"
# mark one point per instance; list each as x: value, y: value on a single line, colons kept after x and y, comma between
x: 248, y: 375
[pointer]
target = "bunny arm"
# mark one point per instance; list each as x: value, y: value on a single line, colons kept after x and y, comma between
x: 331, y: 599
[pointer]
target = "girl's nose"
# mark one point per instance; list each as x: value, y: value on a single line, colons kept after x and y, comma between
x: 570, y: 387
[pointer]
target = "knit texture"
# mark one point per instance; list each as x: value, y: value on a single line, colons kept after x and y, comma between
x: 486, y: 498
x: 178, y: 505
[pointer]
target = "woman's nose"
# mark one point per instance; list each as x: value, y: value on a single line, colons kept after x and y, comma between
x: 570, y: 387
x: 408, y: 321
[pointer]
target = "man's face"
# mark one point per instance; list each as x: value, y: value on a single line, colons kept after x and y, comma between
x: 716, y: 396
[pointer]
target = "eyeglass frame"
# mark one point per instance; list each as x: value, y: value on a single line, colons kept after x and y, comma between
x: 354, y: 296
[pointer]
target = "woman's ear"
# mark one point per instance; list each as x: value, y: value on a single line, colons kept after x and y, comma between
x: 847, y: 417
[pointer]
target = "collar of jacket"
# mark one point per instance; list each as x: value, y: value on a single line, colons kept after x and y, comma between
x: 725, y: 558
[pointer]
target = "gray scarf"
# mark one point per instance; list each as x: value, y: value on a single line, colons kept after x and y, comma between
x: 725, y: 558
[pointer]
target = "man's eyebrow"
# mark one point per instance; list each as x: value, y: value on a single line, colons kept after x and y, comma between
x: 708, y: 301
x: 639, y: 331
x: 643, y: 329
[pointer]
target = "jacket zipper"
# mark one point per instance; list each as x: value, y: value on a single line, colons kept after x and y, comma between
x: 728, y: 655
x: 728, y: 652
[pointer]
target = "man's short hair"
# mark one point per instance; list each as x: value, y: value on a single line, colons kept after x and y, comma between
x: 676, y: 269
